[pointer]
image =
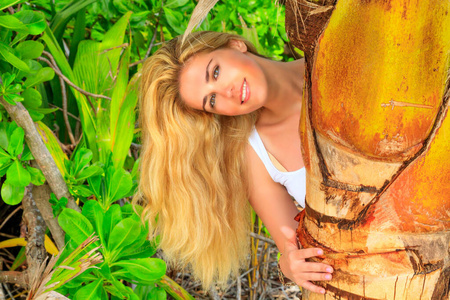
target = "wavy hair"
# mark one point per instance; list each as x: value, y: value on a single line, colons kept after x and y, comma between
x: 193, y: 182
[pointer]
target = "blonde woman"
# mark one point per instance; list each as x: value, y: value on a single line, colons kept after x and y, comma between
x: 212, y: 111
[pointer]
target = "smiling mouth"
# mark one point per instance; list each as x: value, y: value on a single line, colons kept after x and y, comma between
x: 245, y: 92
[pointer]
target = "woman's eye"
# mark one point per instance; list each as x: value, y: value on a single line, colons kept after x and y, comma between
x: 216, y: 72
x: 212, y: 100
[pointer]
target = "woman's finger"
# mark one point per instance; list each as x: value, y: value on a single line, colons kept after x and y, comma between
x: 312, y: 267
x: 312, y: 287
x: 313, y: 276
x: 300, y: 254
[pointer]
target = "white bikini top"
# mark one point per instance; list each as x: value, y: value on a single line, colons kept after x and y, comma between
x: 294, y: 182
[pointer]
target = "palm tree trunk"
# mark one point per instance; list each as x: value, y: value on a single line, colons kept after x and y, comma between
x: 375, y: 133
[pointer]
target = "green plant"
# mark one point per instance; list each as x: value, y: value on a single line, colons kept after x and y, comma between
x: 125, y: 249
x: 14, y: 163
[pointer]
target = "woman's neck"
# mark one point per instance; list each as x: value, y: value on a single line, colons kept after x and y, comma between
x: 285, y: 86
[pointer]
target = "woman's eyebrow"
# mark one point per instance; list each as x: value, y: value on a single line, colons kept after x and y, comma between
x: 207, y: 71
x: 207, y: 80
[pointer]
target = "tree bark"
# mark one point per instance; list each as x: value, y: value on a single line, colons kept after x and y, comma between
x: 41, y: 194
x: 35, y: 249
x: 374, y: 131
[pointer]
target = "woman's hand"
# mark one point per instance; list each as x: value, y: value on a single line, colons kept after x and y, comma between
x: 294, y: 266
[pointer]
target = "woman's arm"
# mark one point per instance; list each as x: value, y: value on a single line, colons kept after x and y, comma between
x: 275, y: 207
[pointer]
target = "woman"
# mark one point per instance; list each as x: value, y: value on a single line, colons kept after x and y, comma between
x: 200, y: 103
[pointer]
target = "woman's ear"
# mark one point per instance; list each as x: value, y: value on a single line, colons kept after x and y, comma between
x: 238, y: 45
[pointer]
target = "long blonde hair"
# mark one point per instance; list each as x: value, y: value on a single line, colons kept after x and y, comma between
x: 193, y: 172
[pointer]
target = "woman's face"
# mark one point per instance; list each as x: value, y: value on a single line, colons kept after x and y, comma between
x: 227, y: 81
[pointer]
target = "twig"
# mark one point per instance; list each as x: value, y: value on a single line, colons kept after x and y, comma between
x: 10, y: 215
x: 68, y: 113
x: 13, y: 277
x: 147, y: 54
x: 213, y: 293
x: 149, y: 47
x: 124, y: 45
x: 2, y: 293
x: 40, y: 152
x: 136, y: 146
x: 8, y: 235
x: 238, y: 288
x: 67, y: 79
x: 9, y: 292
x: 262, y: 238
x: 64, y: 100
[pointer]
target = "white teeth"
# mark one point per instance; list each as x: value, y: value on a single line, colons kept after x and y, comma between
x: 244, y: 91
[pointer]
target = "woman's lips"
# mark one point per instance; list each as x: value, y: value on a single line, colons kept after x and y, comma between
x: 245, y: 92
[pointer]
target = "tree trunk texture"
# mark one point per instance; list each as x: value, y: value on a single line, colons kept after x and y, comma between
x: 375, y: 140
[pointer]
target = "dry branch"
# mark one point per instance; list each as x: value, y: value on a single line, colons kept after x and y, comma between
x: 41, y: 194
x: 40, y: 152
x: 58, y: 72
x: 34, y: 250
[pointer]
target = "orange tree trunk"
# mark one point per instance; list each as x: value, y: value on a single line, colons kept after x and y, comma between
x: 375, y: 137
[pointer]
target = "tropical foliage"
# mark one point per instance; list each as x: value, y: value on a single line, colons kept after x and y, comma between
x: 72, y: 67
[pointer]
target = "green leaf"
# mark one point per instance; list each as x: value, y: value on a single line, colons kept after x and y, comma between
x: 81, y: 159
x: 86, y: 115
x: 147, y: 249
x: 122, y: 235
x: 82, y: 190
x: 30, y: 49
x: 122, y: 120
x: 174, y: 19
x: 26, y: 154
x: 44, y: 74
x: 53, y: 146
x: 5, y: 167
x: 33, y: 20
x: 91, y: 291
x: 157, y: 293
x: 3, y: 135
x: 15, y: 146
x: 119, y: 183
x: 12, y: 99
x: 174, y: 289
x: 17, y: 175
x: 37, y: 177
x: 63, y: 16
x: 11, y: 194
x: 145, y: 270
x: 57, y: 205
x: 97, y: 187
x: 7, y: 3
x: 112, y: 217
x: 150, y: 292
x: 20, y: 259
x: 45, y: 111
x: 75, y: 225
x: 32, y: 98
x: 89, y: 172
x: 175, y: 3
x: 11, y: 22
x: 7, y: 53
x: 35, y: 116
x: 4, y: 157
x: 94, y: 213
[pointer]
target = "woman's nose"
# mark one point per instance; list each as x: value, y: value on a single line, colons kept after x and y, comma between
x: 227, y: 91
